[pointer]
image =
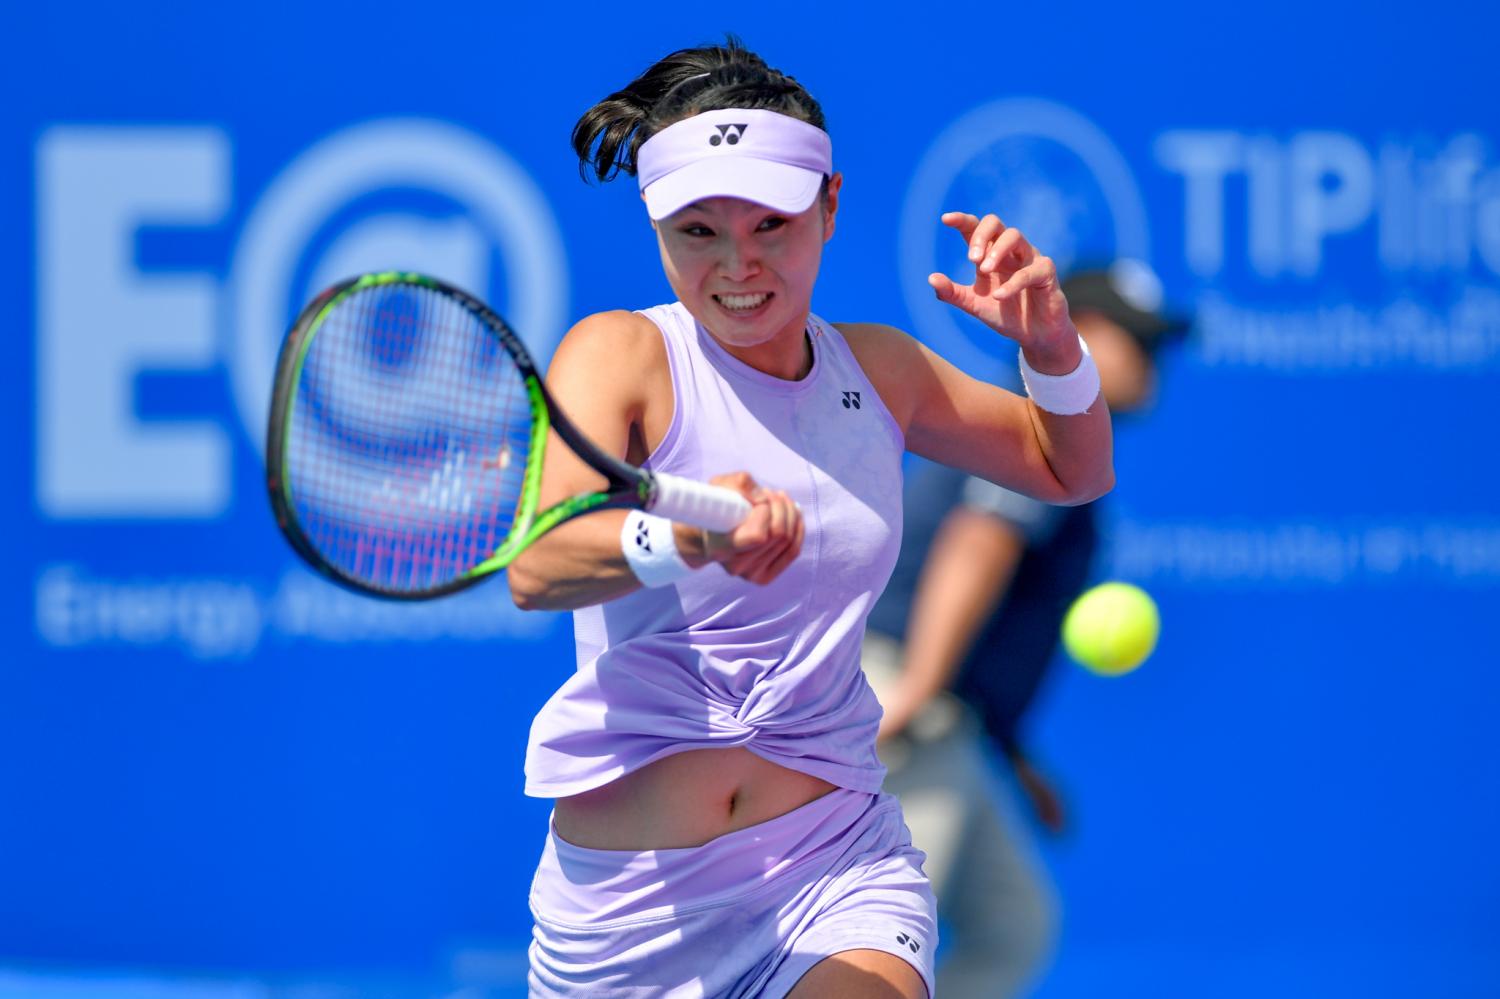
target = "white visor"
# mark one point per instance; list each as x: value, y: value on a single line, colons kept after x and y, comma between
x: 760, y: 156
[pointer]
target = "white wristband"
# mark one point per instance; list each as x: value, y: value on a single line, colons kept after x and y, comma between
x: 1063, y: 395
x: 651, y: 550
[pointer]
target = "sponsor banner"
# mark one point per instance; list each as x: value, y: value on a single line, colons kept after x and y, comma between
x: 195, y: 723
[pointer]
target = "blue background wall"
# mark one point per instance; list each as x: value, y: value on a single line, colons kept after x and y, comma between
x: 219, y: 776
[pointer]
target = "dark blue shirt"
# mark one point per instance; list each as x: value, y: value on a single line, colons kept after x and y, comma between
x: 1005, y: 668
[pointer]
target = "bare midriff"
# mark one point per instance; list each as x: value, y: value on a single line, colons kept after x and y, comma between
x: 684, y: 800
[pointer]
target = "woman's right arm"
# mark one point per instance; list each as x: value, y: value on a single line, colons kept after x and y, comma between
x: 610, y: 376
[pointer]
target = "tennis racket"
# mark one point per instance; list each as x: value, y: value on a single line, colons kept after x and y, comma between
x: 407, y: 430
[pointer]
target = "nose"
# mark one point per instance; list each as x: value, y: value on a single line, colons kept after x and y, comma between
x: 738, y: 260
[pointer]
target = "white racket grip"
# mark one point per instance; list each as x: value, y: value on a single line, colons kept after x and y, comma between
x: 697, y: 503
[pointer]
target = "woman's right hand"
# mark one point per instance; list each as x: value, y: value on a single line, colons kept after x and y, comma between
x: 760, y: 546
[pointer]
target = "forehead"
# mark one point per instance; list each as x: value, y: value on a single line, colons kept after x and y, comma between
x: 724, y: 206
x: 726, y: 209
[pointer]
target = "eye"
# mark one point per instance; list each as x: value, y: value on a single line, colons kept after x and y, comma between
x: 772, y: 222
x: 695, y: 229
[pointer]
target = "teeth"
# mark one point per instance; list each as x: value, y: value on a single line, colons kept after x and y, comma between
x: 742, y: 301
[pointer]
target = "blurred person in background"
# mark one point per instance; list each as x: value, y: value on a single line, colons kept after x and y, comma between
x: 959, y: 644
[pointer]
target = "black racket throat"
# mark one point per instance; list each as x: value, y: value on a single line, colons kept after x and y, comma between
x: 405, y: 442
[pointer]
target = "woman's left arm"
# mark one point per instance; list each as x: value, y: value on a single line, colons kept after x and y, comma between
x: 961, y: 421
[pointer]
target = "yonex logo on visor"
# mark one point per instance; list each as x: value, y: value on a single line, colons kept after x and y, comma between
x: 766, y: 157
x: 727, y: 133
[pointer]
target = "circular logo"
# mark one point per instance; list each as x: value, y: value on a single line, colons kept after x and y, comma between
x: 1044, y: 169
x: 405, y: 194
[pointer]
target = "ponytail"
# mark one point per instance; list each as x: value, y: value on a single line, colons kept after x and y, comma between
x: 685, y: 83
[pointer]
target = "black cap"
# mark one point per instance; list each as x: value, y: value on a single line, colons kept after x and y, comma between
x: 1127, y: 292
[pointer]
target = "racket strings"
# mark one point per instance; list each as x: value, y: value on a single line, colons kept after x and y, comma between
x: 408, y: 439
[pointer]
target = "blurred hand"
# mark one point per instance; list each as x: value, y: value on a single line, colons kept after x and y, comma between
x: 895, y: 717
x: 761, y: 546
x: 1015, y: 289
x: 1045, y: 800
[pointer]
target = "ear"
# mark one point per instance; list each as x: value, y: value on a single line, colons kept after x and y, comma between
x: 831, y: 206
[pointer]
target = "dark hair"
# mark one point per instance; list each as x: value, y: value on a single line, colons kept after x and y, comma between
x: 685, y: 83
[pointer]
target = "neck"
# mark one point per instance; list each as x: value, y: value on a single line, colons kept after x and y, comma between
x: 787, y: 356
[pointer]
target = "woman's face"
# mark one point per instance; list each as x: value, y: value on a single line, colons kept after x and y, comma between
x: 745, y: 271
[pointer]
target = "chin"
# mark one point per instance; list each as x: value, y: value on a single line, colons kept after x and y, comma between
x: 741, y: 331
x: 743, y: 337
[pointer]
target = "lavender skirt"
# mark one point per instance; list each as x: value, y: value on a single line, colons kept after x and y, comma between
x: 746, y: 914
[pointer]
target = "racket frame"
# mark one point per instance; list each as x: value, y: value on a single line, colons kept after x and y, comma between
x: 628, y: 487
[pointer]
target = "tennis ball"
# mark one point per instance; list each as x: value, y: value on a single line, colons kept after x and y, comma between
x: 1112, y: 628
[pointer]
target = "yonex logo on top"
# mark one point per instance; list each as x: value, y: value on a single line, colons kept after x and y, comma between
x: 911, y: 942
x: 851, y: 399
x: 729, y: 134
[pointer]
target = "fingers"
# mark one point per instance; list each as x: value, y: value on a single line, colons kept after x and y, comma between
x: 763, y: 566
x: 985, y: 233
x: 740, y: 482
x: 767, y: 564
x: 1004, y: 260
x: 722, y: 546
x: 1015, y: 290
x: 1040, y: 273
x: 1009, y: 246
x: 963, y: 222
x: 980, y: 233
x: 767, y: 540
x: 773, y: 540
x: 943, y: 285
x: 965, y: 297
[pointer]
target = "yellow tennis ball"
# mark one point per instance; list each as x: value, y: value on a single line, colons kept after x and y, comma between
x: 1112, y: 628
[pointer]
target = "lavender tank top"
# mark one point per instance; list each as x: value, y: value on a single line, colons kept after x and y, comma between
x: 714, y: 661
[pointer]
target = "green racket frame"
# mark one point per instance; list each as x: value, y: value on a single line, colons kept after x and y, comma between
x: 629, y: 487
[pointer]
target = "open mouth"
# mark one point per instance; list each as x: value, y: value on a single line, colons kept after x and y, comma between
x: 744, y: 305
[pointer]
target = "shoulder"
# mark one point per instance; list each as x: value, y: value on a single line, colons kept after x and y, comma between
x: 617, y: 348
x: 876, y: 340
x: 614, y: 338
x: 615, y: 357
x: 894, y: 361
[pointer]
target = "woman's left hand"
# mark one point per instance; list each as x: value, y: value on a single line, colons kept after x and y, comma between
x: 1015, y: 289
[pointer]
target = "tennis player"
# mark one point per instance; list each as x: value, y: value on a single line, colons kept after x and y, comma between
x: 719, y: 827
